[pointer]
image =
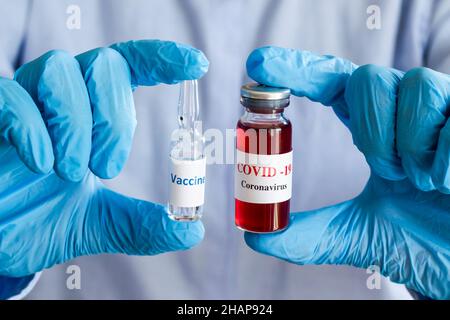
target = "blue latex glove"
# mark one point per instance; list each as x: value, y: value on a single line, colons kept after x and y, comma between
x: 401, y: 220
x: 65, y: 121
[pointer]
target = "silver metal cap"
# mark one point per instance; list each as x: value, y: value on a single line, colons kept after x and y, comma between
x: 261, y: 92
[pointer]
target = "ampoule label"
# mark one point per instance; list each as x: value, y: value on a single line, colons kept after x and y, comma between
x: 187, y: 182
x: 263, y: 178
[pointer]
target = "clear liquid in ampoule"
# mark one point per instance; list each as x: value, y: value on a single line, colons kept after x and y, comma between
x: 187, y: 161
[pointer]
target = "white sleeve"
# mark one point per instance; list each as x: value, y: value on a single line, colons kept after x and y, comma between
x: 28, y: 288
x: 437, y: 54
x: 14, y: 17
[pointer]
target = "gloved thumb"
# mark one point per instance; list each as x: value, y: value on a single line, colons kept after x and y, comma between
x: 323, y: 236
x: 319, y: 78
x: 120, y: 224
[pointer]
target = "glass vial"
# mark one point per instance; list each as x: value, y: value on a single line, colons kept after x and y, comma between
x: 187, y: 160
x: 263, y: 172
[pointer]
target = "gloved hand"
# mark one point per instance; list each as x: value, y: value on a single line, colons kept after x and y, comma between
x: 401, y: 220
x: 64, y: 122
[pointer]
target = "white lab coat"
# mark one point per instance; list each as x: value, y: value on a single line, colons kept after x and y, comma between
x: 328, y: 168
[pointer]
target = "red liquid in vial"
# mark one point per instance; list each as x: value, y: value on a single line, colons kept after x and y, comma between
x: 270, y: 217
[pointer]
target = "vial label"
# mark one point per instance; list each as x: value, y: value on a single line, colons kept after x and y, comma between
x: 187, y: 182
x: 263, y: 178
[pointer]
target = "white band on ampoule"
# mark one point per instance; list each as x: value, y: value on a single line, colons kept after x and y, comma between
x: 187, y: 182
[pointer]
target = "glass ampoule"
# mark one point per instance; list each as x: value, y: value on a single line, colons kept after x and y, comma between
x: 187, y: 160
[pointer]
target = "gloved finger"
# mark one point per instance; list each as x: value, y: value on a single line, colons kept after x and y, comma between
x: 126, y: 225
x: 155, y: 61
x: 319, y: 78
x: 440, y: 171
x: 423, y: 107
x: 56, y: 85
x: 12, y: 287
x: 22, y: 126
x: 371, y: 95
x: 107, y: 78
x: 313, y: 237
